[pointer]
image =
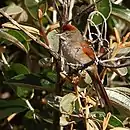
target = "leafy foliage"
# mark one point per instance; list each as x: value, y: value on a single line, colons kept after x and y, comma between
x: 34, y: 88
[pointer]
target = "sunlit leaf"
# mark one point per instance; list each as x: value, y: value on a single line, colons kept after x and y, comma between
x: 23, y: 17
x: 119, y: 99
x: 63, y: 120
x: 122, y: 71
x: 12, y: 9
x: 125, y: 90
x: 124, y: 51
x: 53, y: 39
x: 67, y: 103
x: 121, y: 12
x: 29, y: 28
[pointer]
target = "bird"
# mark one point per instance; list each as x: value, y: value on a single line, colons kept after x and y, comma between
x: 77, y: 50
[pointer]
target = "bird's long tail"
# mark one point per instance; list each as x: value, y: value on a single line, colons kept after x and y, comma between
x: 99, y: 87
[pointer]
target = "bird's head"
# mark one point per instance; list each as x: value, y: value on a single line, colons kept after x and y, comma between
x: 68, y: 27
x: 71, y: 33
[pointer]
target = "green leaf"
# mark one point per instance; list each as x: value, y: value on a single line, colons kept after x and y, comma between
x: 104, y: 7
x: 8, y: 107
x: 114, y: 121
x: 25, y: 93
x: 19, y: 68
x: 32, y: 81
x: 13, y: 103
x: 29, y: 114
x: 51, y: 75
x: 21, y: 90
x: 19, y: 77
x: 19, y: 35
x: 12, y: 39
x: 121, y: 12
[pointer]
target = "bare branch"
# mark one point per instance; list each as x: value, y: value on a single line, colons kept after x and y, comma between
x: 70, y: 9
x: 115, y: 65
x: 115, y: 59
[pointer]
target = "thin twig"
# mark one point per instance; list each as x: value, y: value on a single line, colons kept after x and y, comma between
x: 54, y: 14
x: 48, y: 18
x: 31, y: 108
x: 84, y: 10
x: 11, y: 117
x: 115, y: 59
x: 41, y: 28
x: 88, y: 27
x: 57, y: 9
x: 115, y: 65
x: 73, y: 115
x: 86, y: 117
x: 4, y: 60
x: 70, y: 9
x: 106, y: 121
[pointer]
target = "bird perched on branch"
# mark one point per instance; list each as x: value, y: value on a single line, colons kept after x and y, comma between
x: 78, y: 51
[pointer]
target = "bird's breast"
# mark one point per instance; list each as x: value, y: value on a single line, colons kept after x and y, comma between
x: 74, y: 53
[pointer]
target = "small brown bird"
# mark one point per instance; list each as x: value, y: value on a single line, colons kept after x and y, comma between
x: 75, y: 49
x: 78, y: 51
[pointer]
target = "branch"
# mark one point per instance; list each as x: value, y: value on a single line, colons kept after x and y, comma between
x: 70, y: 9
x: 115, y: 59
x: 114, y: 66
x: 104, y: 64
